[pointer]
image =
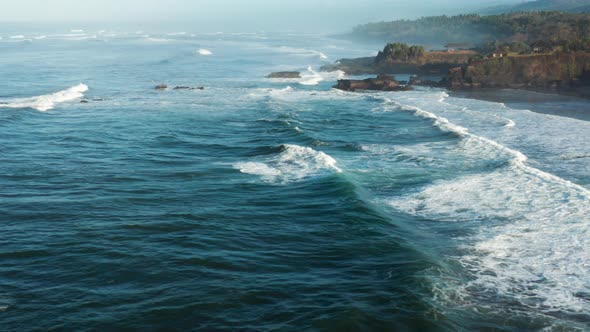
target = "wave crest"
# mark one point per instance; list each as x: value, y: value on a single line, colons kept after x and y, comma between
x: 203, y: 51
x: 294, y: 163
x: 47, y: 102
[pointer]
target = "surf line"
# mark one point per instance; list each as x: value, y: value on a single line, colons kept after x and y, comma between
x: 519, y: 160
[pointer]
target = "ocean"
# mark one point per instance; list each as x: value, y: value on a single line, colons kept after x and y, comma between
x: 262, y: 204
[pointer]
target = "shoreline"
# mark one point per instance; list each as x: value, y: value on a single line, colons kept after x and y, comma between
x: 572, y: 102
x: 545, y: 102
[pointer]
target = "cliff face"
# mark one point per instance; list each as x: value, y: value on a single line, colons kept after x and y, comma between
x: 535, y: 71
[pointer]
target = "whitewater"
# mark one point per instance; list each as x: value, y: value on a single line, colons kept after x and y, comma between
x: 265, y: 204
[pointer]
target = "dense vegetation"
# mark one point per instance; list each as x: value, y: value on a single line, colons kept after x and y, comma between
x: 401, y: 52
x: 555, y: 28
x: 578, y: 6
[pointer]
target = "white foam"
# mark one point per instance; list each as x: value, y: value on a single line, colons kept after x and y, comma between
x: 40, y: 37
x: 69, y: 35
x: 84, y: 37
x: 276, y: 92
x: 314, y: 78
x: 519, y: 159
x: 291, y: 94
x: 17, y: 37
x: 47, y: 102
x: 158, y: 40
x: 537, y: 255
x: 77, y: 31
x: 302, y: 52
x: 204, y: 52
x: 443, y: 97
x: 509, y: 123
x: 177, y: 34
x: 294, y: 163
x: 267, y: 173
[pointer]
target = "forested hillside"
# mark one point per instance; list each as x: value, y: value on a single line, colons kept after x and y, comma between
x: 551, y: 27
x: 544, y: 5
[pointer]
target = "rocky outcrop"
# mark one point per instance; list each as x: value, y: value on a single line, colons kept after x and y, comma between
x: 545, y: 71
x: 380, y: 83
x: 285, y: 74
x: 179, y: 87
x: 183, y: 87
x: 86, y: 101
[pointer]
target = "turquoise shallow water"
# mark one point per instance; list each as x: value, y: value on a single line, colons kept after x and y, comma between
x: 260, y: 204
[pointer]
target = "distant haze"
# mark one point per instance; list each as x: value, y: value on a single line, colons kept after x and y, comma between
x: 236, y: 15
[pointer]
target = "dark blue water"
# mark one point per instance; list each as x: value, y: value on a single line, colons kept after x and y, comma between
x: 260, y: 204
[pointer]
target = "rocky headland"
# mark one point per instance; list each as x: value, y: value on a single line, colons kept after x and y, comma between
x: 380, y: 83
x: 404, y: 60
x: 553, y: 70
x: 539, y: 50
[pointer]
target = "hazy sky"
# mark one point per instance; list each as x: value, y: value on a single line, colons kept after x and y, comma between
x: 225, y: 15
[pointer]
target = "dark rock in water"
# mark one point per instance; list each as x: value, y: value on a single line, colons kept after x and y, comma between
x: 84, y: 101
x: 98, y: 99
x: 285, y: 74
x: 184, y: 87
x: 380, y: 83
x: 161, y: 87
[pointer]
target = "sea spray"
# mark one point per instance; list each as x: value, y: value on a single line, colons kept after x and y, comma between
x: 47, y: 102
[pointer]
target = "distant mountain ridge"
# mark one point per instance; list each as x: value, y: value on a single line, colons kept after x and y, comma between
x: 577, y: 6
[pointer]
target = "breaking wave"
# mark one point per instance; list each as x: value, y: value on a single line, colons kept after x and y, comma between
x: 294, y: 163
x: 46, y: 102
x: 303, y: 52
x: 204, y: 52
x: 314, y: 78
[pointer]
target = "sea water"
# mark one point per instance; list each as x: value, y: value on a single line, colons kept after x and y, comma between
x: 276, y: 204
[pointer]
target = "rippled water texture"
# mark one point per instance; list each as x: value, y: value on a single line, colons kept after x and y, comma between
x: 259, y: 204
